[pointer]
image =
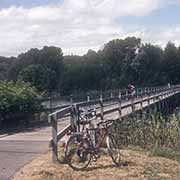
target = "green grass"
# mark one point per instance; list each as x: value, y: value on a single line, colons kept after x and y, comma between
x: 170, y: 154
x: 166, y: 153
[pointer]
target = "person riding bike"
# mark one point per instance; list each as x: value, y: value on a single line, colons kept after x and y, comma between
x: 131, y: 89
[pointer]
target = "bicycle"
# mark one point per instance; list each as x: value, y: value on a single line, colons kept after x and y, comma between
x: 81, y: 150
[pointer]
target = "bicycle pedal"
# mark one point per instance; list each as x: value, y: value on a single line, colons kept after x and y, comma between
x: 94, y: 160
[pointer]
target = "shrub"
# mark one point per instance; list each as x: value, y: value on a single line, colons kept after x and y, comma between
x: 150, y: 132
x: 16, y: 98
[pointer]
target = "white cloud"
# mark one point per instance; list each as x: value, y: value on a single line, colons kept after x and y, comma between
x: 159, y: 36
x: 171, y: 34
x: 75, y: 25
x: 173, y: 1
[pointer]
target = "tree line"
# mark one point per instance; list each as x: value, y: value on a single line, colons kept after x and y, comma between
x: 119, y: 62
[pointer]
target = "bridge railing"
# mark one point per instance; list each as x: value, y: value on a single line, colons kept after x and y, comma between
x: 106, y: 106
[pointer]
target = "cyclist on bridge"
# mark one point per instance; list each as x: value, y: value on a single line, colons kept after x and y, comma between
x: 131, y: 89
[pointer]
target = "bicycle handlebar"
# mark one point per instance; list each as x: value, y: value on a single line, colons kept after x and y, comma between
x: 105, y: 123
x: 89, y: 113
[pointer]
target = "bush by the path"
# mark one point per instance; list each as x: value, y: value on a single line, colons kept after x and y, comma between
x: 17, y: 98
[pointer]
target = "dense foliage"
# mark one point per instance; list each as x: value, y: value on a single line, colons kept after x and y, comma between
x: 14, y: 98
x: 119, y: 62
x: 5, y: 65
x: 16, y: 93
x: 150, y: 132
x: 42, y: 68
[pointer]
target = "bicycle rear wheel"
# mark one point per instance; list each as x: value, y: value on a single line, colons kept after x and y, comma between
x: 77, y: 154
x: 113, y: 149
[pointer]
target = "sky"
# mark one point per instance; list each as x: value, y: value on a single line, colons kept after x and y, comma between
x: 79, y: 25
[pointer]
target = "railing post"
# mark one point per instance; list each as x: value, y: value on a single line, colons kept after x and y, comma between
x: 101, y: 107
x: 111, y: 95
x: 159, y: 103
x: 148, y: 95
x: 50, y: 104
x: 149, y: 102
x: 119, y: 102
x: 132, y: 104
x: 73, y: 114
x: 141, y: 103
x: 54, y: 138
x: 154, y: 101
x: 71, y: 99
x: 88, y: 97
x: 127, y: 95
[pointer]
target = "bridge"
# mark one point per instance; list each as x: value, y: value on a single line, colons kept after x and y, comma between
x: 18, y: 149
x: 117, y: 107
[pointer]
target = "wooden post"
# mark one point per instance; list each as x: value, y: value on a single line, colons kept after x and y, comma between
x: 145, y: 91
x: 75, y: 118
x: 119, y: 102
x: 148, y: 101
x: 71, y: 99
x: 101, y: 108
x: 163, y: 102
x: 88, y: 98
x: 111, y: 95
x: 159, y: 104
x: 127, y: 97
x: 148, y: 94
x: 72, y: 115
x: 141, y: 103
x: 154, y: 104
x: 54, y: 138
x: 50, y: 104
x: 132, y: 104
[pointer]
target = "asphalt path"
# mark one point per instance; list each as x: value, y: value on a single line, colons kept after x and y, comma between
x: 18, y: 149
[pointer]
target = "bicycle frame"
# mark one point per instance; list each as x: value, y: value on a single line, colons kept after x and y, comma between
x: 101, y: 138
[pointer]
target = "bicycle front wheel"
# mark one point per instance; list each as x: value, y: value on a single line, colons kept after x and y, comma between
x: 77, y: 152
x: 113, y: 149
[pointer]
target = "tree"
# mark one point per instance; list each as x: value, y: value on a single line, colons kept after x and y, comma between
x: 117, y: 56
x: 147, y: 64
x: 51, y: 61
x: 39, y: 76
x: 171, y: 64
x: 5, y: 65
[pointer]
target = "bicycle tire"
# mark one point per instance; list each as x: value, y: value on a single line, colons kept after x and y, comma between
x: 113, y: 149
x: 82, y: 155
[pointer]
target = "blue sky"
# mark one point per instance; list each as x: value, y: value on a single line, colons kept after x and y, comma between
x: 79, y: 25
x: 164, y: 17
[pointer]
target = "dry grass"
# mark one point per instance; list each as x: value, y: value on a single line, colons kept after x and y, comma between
x: 140, y: 166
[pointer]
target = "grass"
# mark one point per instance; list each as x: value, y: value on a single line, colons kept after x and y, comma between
x: 160, y: 152
x: 170, y: 154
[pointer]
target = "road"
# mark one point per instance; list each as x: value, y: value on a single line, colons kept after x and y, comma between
x: 18, y: 149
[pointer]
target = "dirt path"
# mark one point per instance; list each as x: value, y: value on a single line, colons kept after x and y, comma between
x: 139, y: 167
